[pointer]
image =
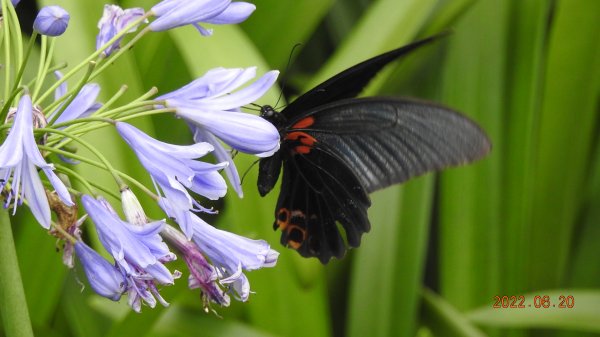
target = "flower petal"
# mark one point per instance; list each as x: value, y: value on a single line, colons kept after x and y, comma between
x: 34, y: 193
x: 222, y: 155
x: 84, y: 100
x: 176, y: 13
x: 244, y: 132
x: 236, y: 12
x: 59, y: 187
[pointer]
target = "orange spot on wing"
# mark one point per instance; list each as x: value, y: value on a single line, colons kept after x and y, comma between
x: 283, y: 218
x: 304, y: 123
x: 296, y: 242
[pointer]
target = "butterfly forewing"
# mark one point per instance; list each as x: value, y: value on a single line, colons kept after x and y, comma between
x: 351, y: 81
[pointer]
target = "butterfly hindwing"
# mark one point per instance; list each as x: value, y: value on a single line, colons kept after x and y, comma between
x: 318, y: 191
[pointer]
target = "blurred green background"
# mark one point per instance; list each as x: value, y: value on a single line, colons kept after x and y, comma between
x: 523, y: 221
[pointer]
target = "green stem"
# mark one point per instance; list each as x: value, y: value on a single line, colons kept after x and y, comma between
x: 92, y: 149
x: 13, y: 306
x: 7, y: 39
x: 19, y: 76
x: 121, y: 51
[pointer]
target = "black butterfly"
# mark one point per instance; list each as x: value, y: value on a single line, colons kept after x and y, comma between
x: 336, y: 149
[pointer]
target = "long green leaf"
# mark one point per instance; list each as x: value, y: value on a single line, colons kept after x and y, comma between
x: 277, y: 26
x: 390, y: 262
x: 583, y: 316
x: 445, y: 320
x: 567, y: 127
x: 473, y: 83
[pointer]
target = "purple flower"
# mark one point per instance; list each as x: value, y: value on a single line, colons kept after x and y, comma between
x: 231, y: 254
x: 104, y: 278
x: 114, y: 20
x: 175, y: 13
x: 174, y: 170
x: 51, y: 21
x: 139, y: 252
x: 202, y: 274
x: 211, y: 108
x: 19, y: 157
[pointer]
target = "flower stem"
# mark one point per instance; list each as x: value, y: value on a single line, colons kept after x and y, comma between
x: 13, y: 306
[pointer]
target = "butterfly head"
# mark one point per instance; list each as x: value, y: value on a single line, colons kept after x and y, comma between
x: 275, y: 117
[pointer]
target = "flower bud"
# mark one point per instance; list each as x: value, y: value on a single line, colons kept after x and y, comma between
x: 134, y: 213
x: 51, y: 21
x: 104, y: 278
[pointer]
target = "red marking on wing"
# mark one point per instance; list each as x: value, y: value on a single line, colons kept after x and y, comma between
x: 302, y: 149
x: 304, y: 123
x: 305, y: 141
x: 303, y: 137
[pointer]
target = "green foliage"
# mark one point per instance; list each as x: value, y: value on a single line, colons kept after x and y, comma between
x: 524, y: 220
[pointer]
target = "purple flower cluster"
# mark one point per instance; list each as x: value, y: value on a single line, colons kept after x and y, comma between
x: 210, y: 106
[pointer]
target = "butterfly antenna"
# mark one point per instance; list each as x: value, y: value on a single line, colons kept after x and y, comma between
x: 252, y: 107
x: 248, y: 170
x: 285, y: 73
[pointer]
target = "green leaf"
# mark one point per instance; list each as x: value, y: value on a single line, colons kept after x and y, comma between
x: 43, y: 273
x: 566, y: 130
x: 276, y: 26
x: 403, y: 20
x: 473, y: 83
x: 82, y: 320
x: 180, y: 322
x: 527, y: 47
x: 445, y: 320
x: 387, y: 269
x: 584, y: 316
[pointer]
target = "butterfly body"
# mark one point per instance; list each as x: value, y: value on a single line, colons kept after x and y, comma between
x: 336, y: 149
